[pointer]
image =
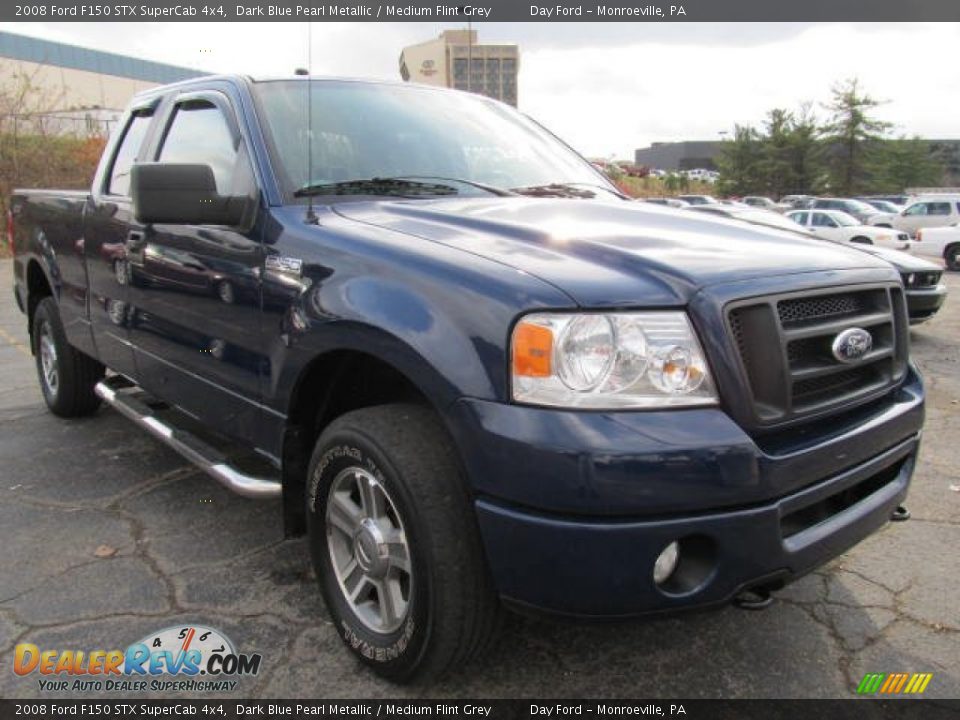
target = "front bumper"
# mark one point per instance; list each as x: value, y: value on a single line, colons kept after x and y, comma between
x: 923, y: 303
x: 576, y: 531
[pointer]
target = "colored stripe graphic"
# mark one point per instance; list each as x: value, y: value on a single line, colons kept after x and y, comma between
x: 894, y: 683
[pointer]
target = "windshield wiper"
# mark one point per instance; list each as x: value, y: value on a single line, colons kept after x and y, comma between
x: 566, y: 190
x: 492, y: 189
x: 376, y: 186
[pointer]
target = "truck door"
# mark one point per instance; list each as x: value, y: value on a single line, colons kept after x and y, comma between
x: 197, y: 333
x: 111, y: 235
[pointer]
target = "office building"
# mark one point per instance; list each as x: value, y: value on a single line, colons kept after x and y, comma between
x: 77, y: 89
x: 457, y: 60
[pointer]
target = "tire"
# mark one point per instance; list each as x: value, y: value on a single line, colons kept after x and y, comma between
x: 952, y: 257
x: 67, y: 376
x: 861, y: 240
x: 445, y: 608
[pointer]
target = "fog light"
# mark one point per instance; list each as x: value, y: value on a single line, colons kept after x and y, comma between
x: 666, y: 563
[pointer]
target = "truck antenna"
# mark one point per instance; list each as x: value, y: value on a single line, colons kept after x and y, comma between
x: 311, y: 215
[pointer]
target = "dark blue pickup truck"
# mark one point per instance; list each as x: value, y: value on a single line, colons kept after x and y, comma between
x: 474, y: 372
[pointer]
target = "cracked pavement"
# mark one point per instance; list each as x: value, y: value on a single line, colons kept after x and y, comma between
x: 181, y: 549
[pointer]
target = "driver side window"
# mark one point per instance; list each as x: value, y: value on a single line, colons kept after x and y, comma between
x: 916, y: 209
x: 821, y: 220
x: 199, y: 133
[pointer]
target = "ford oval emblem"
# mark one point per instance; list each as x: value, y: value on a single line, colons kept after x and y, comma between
x: 851, y: 345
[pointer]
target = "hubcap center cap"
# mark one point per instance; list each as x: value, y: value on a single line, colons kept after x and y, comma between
x: 370, y: 548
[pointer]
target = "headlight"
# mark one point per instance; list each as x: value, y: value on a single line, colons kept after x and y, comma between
x: 609, y: 360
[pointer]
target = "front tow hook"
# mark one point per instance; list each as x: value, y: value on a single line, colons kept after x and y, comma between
x: 901, y: 514
x: 754, y: 599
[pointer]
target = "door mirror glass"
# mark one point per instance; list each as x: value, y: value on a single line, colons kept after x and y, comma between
x: 182, y: 194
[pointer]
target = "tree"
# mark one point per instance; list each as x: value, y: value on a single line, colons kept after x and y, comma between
x: 907, y: 162
x: 740, y: 162
x: 774, y: 165
x: 852, y: 136
x: 34, y: 149
x: 804, y: 151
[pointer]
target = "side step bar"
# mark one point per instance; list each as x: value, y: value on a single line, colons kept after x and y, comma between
x: 118, y: 394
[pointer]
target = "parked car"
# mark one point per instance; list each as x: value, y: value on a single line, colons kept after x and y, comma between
x: 747, y: 214
x: 633, y: 170
x: 471, y: 382
x: 699, y: 199
x: 842, y: 227
x: 900, y: 201
x: 924, y: 213
x: 668, y: 201
x: 884, y: 206
x: 797, y: 202
x: 922, y: 281
x: 857, y: 208
x: 765, y: 203
x: 702, y: 174
x: 941, y: 243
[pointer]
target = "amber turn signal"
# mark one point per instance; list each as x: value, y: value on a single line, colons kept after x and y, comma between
x: 532, y: 350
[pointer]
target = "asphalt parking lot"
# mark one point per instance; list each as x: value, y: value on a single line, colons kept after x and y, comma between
x: 107, y: 536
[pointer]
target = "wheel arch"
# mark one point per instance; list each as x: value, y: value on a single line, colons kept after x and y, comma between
x: 39, y: 285
x: 346, y: 378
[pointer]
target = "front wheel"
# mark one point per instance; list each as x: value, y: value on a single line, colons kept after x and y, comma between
x: 952, y: 257
x: 67, y: 376
x: 395, y: 545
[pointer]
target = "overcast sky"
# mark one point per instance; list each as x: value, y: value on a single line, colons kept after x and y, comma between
x: 606, y: 88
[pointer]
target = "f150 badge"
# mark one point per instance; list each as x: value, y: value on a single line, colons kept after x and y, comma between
x: 852, y: 344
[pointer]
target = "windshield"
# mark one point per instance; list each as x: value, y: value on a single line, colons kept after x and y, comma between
x: 885, y: 206
x: 368, y: 132
x: 861, y: 207
x: 844, y: 220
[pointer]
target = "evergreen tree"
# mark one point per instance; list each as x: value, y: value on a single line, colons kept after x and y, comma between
x: 805, y: 152
x: 740, y: 163
x: 907, y: 162
x: 853, y: 137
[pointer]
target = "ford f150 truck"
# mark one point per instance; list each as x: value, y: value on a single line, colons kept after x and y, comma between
x: 475, y: 374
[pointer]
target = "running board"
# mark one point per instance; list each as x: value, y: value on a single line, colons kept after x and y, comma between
x: 118, y: 393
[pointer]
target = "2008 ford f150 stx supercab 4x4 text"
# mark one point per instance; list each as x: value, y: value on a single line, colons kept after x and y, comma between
x: 473, y: 371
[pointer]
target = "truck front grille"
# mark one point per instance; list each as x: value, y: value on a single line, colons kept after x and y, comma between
x: 785, y: 343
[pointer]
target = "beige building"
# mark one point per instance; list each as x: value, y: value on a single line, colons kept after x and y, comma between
x: 457, y: 60
x: 76, y: 89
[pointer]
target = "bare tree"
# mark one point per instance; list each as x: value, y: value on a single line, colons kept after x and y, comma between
x: 37, y: 148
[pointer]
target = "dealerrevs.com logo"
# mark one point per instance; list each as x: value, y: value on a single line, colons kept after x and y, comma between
x: 176, y: 659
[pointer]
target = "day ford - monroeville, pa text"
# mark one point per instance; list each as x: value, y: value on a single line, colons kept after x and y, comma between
x: 475, y: 373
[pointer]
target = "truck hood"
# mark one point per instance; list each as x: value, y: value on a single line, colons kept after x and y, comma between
x: 613, y: 253
x: 900, y: 260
